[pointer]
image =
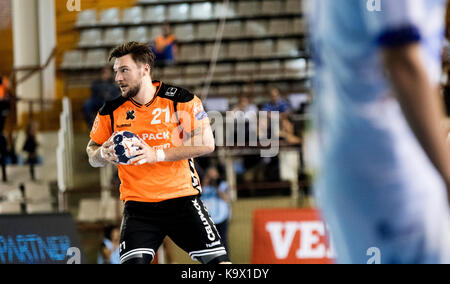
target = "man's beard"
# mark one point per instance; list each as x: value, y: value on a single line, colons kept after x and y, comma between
x: 132, y: 92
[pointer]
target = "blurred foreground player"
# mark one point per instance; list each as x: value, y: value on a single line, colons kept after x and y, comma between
x: 161, y: 188
x: 384, y: 167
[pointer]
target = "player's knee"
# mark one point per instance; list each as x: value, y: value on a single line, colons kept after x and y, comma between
x: 222, y: 259
x: 144, y: 259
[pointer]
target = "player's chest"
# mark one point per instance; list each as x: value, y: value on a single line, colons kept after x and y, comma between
x: 154, y: 121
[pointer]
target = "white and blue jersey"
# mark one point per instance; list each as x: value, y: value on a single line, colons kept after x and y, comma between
x: 376, y: 186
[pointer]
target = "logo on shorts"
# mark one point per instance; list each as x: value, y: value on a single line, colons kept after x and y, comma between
x: 122, y: 247
x: 208, y: 228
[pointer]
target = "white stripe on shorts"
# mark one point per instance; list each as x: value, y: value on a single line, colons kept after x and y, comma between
x: 219, y: 251
x: 127, y: 255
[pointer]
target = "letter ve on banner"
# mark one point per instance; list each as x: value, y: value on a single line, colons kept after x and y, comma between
x: 290, y: 236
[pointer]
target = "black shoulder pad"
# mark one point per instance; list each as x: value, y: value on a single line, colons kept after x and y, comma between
x: 175, y: 94
x: 110, y: 106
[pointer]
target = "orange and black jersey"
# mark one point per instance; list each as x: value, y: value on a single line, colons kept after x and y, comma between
x: 161, y: 124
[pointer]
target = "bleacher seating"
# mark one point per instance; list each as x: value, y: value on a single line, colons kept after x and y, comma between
x: 154, y: 30
x: 206, y: 31
x: 238, y: 50
x: 132, y: 15
x: 295, y: 68
x: 279, y: 27
x: 178, y: 12
x: 90, y: 37
x: 95, y: 58
x: 255, y: 28
x: 232, y: 29
x: 9, y: 203
x: 39, y: 199
x: 248, y: 8
x: 73, y: 59
x: 221, y: 10
x: 139, y: 34
x: 224, y: 72
x: 10, y: 208
x: 155, y: 14
x: 287, y: 47
x: 113, y: 36
x: 270, y: 7
x: 201, y: 11
x: 269, y: 69
x: 266, y: 35
x: 293, y: 6
x: 94, y: 210
x: 195, y: 74
x: 184, y: 32
x: 171, y: 73
x: 110, y: 17
x: 89, y: 210
x: 209, y: 48
x: 37, y: 196
x: 263, y: 48
x: 87, y: 18
x: 298, y: 26
x: 246, y: 70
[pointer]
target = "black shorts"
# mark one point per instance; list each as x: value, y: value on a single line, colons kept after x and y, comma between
x: 185, y: 220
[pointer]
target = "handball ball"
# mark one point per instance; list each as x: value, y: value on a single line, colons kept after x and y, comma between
x: 123, y: 146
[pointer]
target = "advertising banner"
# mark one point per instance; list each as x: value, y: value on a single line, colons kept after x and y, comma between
x: 39, y: 239
x: 290, y: 236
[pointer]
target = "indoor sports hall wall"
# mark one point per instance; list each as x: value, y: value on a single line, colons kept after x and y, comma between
x: 6, y: 47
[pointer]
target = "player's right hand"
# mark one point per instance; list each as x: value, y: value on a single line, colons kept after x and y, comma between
x: 107, y: 152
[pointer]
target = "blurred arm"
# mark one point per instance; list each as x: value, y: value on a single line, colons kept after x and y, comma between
x: 420, y: 102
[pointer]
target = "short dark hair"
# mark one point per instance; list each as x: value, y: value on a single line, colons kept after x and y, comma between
x: 140, y: 52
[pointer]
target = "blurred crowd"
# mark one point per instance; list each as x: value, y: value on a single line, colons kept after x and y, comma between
x: 8, y: 151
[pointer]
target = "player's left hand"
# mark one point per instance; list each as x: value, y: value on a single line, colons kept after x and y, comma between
x: 144, y: 156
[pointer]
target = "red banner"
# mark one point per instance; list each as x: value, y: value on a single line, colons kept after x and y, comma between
x: 290, y: 236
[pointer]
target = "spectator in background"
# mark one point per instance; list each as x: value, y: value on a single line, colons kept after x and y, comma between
x: 3, y: 155
x: 277, y: 103
x: 246, y: 117
x: 217, y: 200
x: 287, y: 132
x: 245, y: 106
x: 109, y: 248
x: 246, y: 113
x: 164, y: 47
x: 4, y: 110
x: 103, y: 89
x: 30, y: 146
x: 4, y: 87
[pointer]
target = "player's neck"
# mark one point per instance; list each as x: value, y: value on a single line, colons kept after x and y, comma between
x: 146, y: 94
